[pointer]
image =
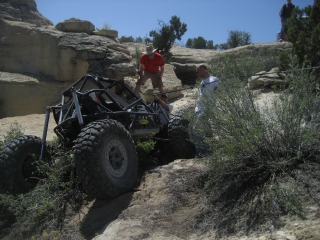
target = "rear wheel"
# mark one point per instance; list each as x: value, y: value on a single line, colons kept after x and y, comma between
x: 106, y: 159
x: 180, y: 138
x: 165, y: 153
x: 19, y: 162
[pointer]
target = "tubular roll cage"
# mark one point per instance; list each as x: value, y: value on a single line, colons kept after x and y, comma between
x: 76, y: 93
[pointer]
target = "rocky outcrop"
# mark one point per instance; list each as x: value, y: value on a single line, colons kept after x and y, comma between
x: 185, y: 60
x: 23, y: 95
x: 273, y: 78
x: 106, y: 33
x: 22, y: 10
x: 76, y: 25
x: 59, y: 56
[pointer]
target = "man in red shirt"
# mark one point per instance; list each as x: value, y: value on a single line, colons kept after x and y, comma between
x: 151, y: 66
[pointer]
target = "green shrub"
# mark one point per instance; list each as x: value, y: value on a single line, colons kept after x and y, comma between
x: 165, y: 37
x: 47, y: 206
x: 105, y: 26
x: 303, y: 30
x: 252, y: 148
x: 200, y: 43
x: 124, y: 39
x: 144, y: 149
x: 236, y: 39
x: 14, y: 132
x: 243, y: 64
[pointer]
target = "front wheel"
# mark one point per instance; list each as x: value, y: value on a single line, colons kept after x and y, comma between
x: 106, y: 159
x: 19, y: 162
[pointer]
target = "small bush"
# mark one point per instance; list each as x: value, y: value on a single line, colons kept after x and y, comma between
x: 106, y: 26
x: 243, y: 65
x: 14, y: 132
x: 46, y: 207
x: 165, y: 37
x: 253, y: 148
x: 144, y: 149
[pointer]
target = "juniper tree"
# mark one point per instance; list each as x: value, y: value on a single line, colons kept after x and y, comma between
x: 303, y: 30
x: 164, y: 38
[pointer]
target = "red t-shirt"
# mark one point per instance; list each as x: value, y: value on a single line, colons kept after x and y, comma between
x: 152, y: 65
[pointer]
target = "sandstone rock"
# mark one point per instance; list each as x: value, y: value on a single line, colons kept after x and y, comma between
x: 76, y: 25
x: 23, y: 95
x: 185, y: 60
x: 57, y: 55
x: 120, y: 48
x: 186, y: 72
x: 267, y: 79
x: 121, y: 70
x: 106, y: 33
x: 22, y: 10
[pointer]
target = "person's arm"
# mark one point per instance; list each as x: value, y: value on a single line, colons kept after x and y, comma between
x: 161, y: 71
x: 141, y: 69
x: 162, y: 103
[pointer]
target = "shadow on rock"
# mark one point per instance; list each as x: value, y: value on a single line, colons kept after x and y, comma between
x: 102, y: 213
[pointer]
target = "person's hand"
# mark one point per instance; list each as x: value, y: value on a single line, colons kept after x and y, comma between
x: 192, y: 106
x: 155, y: 97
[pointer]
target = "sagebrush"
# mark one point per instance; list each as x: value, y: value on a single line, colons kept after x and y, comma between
x: 253, y: 148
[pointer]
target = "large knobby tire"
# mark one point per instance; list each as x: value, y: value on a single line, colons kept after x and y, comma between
x: 106, y: 159
x: 18, y: 164
x: 165, y: 154
x: 179, y: 136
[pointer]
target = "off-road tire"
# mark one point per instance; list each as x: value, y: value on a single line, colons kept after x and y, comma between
x: 106, y: 159
x: 18, y: 168
x: 179, y: 136
x: 164, y: 153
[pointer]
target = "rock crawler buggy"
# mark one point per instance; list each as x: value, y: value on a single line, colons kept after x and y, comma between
x: 100, y: 119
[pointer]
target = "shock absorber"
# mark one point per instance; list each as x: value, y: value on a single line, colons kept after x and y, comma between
x: 77, y: 106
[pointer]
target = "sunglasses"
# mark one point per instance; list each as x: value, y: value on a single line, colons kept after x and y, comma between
x: 164, y: 96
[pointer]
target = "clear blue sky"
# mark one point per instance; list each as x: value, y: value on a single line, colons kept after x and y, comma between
x: 211, y: 19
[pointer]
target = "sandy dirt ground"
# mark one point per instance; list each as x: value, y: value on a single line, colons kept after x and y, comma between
x: 30, y: 125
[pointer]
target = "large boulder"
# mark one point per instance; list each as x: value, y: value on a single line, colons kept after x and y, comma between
x: 22, y: 10
x: 76, y: 25
x: 106, y: 33
x: 263, y: 79
x: 186, y: 59
x: 23, y: 95
x: 60, y: 56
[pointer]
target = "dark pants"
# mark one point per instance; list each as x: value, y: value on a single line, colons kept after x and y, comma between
x: 282, y: 33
